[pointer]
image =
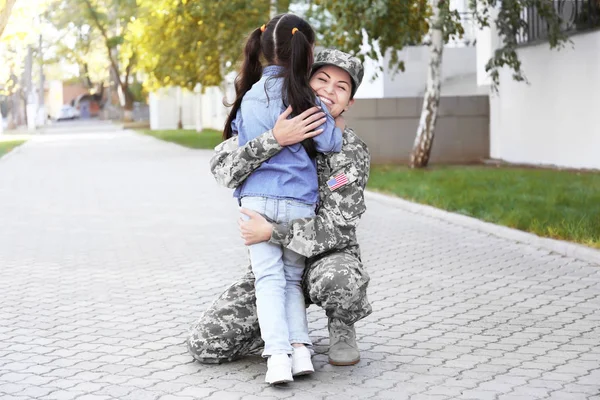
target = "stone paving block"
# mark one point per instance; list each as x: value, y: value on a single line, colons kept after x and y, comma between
x: 102, y: 280
x: 64, y: 395
x: 428, y: 397
x: 141, y: 394
x: 559, y: 395
x: 116, y: 391
x: 478, y: 394
x: 295, y: 396
x: 531, y: 392
x: 232, y: 396
x: 513, y: 397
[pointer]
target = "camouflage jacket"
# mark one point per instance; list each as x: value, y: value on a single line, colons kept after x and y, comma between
x: 339, y: 210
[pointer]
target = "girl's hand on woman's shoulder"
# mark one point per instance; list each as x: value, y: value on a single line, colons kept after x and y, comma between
x: 294, y: 130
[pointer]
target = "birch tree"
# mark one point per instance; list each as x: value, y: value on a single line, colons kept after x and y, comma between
x: 389, y: 25
x: 421, y: 152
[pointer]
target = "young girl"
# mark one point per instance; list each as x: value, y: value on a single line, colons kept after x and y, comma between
x: 285, y: 187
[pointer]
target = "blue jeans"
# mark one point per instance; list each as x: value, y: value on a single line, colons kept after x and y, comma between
x: 278, y: 273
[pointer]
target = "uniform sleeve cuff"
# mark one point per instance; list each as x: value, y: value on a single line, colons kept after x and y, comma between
x: 279, y: 235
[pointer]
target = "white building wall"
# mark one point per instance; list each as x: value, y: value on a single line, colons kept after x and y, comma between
x: 55, y: 98
x: 554, y: 120
x: 371, y: 86
x: 164, y: 109
x: 188, y: 119
x: 458, y: 64
x: 214, y: 113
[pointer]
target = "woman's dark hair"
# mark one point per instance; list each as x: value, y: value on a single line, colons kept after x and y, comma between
x: 287, y: 40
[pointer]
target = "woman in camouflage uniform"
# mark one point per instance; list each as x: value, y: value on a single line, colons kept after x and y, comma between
x: 334, y: 278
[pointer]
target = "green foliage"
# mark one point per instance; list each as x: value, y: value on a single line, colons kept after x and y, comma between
x: 558, y: 204
x: 99, y: 26
x: 392, y: 24
x: 115, y: 41
x: 78, y: 44
x: 389, y: 25
x: 510, y: 25
x: 138, y: 92
x: 186, y: 42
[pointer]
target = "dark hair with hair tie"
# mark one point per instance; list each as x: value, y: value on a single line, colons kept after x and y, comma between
x: 286, y: 40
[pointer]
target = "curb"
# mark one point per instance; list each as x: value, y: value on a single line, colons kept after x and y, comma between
x: 556, y: 246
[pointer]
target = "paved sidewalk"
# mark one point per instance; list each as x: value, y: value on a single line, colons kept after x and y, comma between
x: 111, y: 244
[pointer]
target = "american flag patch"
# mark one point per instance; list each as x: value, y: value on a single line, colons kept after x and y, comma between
x: 337, y: 181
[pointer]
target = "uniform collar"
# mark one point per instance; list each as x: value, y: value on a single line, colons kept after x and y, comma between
x: 271, y: 70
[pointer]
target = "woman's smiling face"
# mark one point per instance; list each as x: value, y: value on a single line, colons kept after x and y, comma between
x: 333, y: 85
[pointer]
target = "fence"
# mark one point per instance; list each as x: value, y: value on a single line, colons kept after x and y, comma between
x: 576, y: 16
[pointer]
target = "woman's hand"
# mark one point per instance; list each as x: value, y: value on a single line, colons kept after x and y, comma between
x: 303, y: 126
x: 256, y: 229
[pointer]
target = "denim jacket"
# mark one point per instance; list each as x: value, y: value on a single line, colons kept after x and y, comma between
x: 291, y: 174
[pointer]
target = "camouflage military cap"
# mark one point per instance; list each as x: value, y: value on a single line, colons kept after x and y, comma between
x: 345, y: 61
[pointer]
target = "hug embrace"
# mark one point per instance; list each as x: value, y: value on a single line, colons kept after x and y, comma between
x: 299, y: 175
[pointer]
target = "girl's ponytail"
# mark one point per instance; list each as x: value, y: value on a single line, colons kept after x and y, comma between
x: 299, y: 93
x: 250, y: 74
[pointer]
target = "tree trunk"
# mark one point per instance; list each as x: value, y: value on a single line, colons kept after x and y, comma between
x: 5, y: 14
x: 128, y: 103
x: 419, y: 157
x: 123, y: 84
x: 198, y: 107
x: 273, y: 8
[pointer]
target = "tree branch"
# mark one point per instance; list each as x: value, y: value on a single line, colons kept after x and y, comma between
x: 5, y: 14
x: 129, y: 66
x: 104, y: 34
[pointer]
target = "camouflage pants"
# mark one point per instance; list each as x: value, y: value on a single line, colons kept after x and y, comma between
x: 229, y: 329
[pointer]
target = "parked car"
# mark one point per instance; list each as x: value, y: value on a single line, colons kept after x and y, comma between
x: 67, y: 112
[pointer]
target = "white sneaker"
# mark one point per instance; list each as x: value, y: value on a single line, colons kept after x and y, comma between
x: 279, y: 369
x: 301, y: 363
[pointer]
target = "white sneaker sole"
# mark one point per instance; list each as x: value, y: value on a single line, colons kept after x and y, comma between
x: 275, y: 379
x: 303, y: 372
x: 303, y: 366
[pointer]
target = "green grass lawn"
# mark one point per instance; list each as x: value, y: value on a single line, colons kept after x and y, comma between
x: 207, y: 139
x: 558, y: 204
x: 6, y: 146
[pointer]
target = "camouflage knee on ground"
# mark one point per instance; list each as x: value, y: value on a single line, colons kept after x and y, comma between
x: 229, y: 328
x: 338, y: 283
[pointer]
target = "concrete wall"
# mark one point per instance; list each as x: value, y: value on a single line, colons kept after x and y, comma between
x: 389, y: 126
x: 457, y: 62
x: 459, y: 67
x: 164, y: 107
x: 214, y: 113
x: 554, y: 120
x: 371, y: 86
x: 459, y: 74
